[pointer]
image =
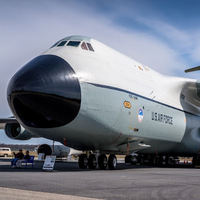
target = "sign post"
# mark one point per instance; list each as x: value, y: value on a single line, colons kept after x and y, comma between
x: 41, y: 156
x: 49, y: 163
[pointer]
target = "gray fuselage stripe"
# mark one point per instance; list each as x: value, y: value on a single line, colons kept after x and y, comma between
x: 132, y: 93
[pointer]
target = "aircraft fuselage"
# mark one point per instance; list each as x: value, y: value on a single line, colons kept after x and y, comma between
x: 105, y: 101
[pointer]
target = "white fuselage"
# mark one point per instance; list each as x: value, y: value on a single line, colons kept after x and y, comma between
x: 124, y: 102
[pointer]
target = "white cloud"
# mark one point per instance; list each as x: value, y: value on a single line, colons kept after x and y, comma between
x: 29, y: 30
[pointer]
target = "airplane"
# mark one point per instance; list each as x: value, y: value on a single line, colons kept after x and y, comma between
x: 90, y: 97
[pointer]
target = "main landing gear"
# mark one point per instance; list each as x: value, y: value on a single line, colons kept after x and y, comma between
x: 154, y: 160
x: 101, y: 160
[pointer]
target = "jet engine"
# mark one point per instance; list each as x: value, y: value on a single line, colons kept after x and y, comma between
x: 16, y: 131
x: 57, y: 150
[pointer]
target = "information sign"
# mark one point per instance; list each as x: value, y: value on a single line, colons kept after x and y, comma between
x: 49, y: 163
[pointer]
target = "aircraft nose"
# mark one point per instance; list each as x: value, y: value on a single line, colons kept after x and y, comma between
x: 45, y: 93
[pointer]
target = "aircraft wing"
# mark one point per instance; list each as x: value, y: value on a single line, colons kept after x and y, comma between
x: 10, y: 120
x: 192, y: 69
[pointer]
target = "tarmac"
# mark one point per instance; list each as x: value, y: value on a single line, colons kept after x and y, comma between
x: 67, y: 181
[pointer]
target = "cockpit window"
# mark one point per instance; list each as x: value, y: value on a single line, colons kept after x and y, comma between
x: 73, y: 43
x: 90, y: 47
x: 55, y: 44
x: 62, y: 43
x: 83, y: 46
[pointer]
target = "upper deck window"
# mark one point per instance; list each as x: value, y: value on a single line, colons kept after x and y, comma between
x: 83, y: 46
x: 62, y: 43
x: 73, y: 43
x: 90, y: 47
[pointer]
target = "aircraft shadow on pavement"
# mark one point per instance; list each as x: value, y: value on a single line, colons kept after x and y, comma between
x: 64, y: 166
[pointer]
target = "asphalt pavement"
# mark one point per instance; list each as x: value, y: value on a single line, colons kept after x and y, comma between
x: 67, y: 181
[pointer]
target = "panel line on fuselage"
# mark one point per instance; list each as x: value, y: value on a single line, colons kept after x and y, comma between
x: 133, y: 127
x: 138, y: 95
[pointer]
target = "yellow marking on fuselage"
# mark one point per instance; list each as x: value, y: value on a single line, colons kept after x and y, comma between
x: 127, y: 104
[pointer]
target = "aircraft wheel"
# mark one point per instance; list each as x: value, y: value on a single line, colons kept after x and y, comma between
x: 151, y: 160
x: 140, y: 160
x: 167, y: 161
x: 160, y: 160
x: 92, y: 162
x: 134, y: 160
x: 102, y: 161
x: 194, y: 160
x: 198, y: 160
x: 83, y: 161
x: 128, y: 159
x: 112, y: 162
x: 170, y: 161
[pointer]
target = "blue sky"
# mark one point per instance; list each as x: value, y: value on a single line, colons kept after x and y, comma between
x: 162, y: 34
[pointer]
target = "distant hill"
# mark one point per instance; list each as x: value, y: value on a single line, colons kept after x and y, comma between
x: 16, y: 147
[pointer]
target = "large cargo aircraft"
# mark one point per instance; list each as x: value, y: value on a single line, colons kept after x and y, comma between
x: 90, y: 97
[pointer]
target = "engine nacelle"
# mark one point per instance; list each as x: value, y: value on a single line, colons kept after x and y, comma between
x: 16, y: 131
x: 57, y: 150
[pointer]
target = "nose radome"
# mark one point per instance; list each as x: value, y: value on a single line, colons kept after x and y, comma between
x: 45, y: 93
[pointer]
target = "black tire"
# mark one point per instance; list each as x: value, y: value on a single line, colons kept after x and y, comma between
x: 128, y: 159
x: 167, y: 161
x: 134, y: 160
x: 194, y: 161
x: 197, y: 163
x: 112, y: 162
x: 102, y: 161
x: 156, y: 161
x: 140, y: 160
x: 160, y: 161
x: 92, y: 162
x: 83, y: 161
x: 151, y: 160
